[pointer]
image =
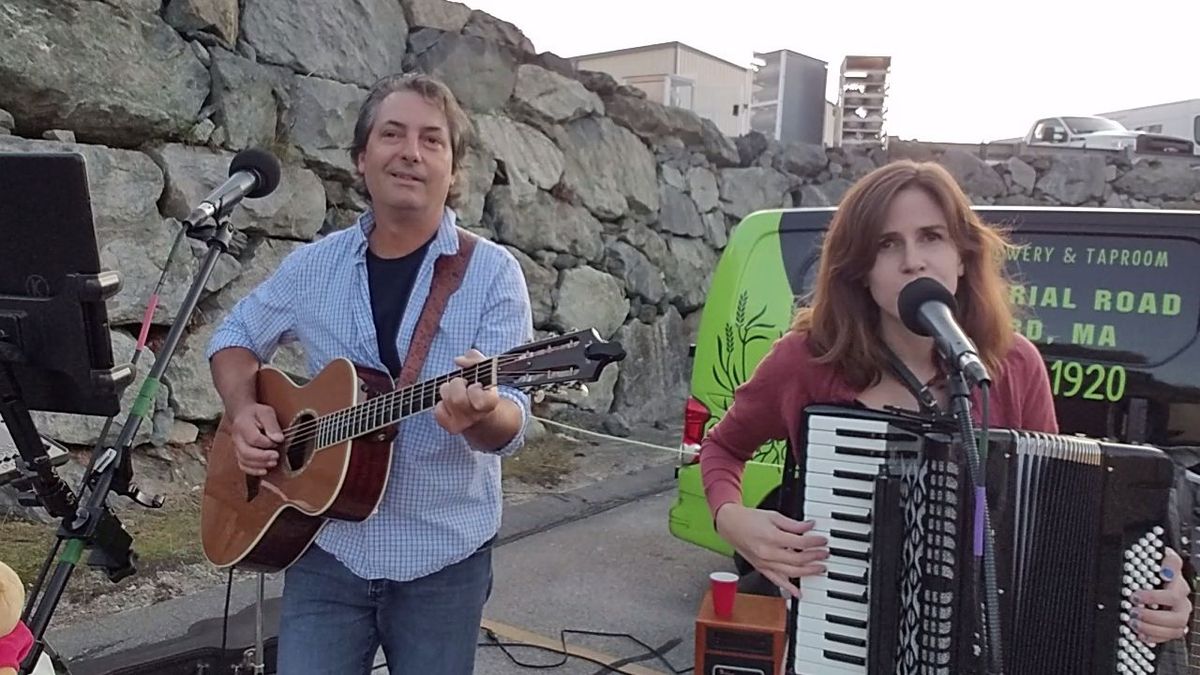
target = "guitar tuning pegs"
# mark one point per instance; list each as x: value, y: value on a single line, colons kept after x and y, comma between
x: 538, y: 395
x: 583, y: 390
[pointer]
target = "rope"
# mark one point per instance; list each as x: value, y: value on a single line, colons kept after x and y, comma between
x: 680, y: 453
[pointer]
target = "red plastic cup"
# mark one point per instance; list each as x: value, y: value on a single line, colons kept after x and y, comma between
x: 724, y: 588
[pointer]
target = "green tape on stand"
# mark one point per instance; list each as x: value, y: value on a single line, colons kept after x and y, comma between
x: 73, y: 551
x: 144, y: 403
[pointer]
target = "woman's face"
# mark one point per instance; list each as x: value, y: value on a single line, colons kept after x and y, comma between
x: 914, y: 242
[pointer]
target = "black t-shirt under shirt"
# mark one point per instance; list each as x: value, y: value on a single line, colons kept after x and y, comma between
x: 391, y: 282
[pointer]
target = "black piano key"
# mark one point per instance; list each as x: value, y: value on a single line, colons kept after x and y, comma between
x: 860, y: 598
x: 846, y: 640
x: 852, y: 536
x: 844, y: 658
x: 834, y: 551
x: 847, y: 578
x: 853, y: 475
x: 860, y: 452
x: 852, y: 494
x: 850, y: 517
x: 845, y: 621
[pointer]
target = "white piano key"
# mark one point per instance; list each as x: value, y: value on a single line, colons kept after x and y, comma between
x: 842, y: 542
x: 860, y: 473
x: 848, y: 527
x: 857, y: 487
x: 811, y: 626
x: 833, y: 604
x: 847, y: 567
x: 838, y: 513
x: 837, y: 440
x: 821, y: 582
x: 810, y: 609
x: 827, y: 640
x: 833, y: 452
x: 812, y: 661
x: 824, y: 495
x: 832, y: 423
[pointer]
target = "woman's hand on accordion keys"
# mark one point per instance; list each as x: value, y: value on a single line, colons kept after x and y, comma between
x: 1163, y: 615
x: 779, y: 547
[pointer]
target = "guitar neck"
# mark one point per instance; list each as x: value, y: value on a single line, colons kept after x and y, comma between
x: 1193, y: 636
x: 388, y: 409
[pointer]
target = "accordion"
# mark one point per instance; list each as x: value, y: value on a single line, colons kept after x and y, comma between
x: 1078, y: 525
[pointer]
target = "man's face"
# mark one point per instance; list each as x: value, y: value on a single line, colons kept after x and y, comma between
x: 408, y: 162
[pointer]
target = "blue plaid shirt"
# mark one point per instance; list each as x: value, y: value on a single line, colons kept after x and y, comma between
x: 443, y: 498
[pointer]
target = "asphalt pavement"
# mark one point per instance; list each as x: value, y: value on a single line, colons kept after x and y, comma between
x: 598, y: 559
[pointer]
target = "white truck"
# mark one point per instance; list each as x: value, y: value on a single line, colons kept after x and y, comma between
x: 1089, y: 131
x: 1178, y: 118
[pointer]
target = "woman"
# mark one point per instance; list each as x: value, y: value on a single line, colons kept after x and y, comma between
x: 903, y: 221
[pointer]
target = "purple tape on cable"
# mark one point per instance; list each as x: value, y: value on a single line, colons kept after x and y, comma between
x: 980, y: 510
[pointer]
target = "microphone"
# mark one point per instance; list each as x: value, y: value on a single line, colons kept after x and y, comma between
x: 253, y: 173
x: 927, y: 308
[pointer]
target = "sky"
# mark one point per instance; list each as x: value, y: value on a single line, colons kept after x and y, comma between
x: 965, y: 71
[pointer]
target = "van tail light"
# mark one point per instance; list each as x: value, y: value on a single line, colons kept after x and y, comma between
x: 695, y: 417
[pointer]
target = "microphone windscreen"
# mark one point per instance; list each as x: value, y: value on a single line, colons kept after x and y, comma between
x: 263, y: 164
x: 918, y: 292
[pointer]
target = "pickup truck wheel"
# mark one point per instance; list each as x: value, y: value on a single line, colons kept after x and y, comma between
x: 770, y: 502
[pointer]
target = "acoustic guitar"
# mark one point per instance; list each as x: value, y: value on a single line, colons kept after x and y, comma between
x: 337, y: 452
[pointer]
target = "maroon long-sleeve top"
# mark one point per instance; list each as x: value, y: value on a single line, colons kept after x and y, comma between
x: 770, y: 404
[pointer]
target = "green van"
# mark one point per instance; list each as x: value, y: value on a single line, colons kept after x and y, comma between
x: 1110, y: 296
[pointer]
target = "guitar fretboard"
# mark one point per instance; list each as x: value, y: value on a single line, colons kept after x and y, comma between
x: 386, y: 409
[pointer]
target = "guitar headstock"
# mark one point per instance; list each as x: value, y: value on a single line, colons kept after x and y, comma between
x: 571, y: 359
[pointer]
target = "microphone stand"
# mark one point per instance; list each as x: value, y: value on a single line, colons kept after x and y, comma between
x: 112, y: 471
x: 983, y: 539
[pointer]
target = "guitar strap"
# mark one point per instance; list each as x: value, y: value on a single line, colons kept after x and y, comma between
x: 448, y: 274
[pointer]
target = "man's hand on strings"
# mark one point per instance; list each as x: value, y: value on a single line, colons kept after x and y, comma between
x: 256, y: 438
x: 464, y: 405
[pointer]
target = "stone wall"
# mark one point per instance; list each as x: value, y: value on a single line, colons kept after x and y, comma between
x: 617, y: 208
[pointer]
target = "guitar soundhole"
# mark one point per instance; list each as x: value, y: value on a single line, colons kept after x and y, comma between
x: 300, y: 449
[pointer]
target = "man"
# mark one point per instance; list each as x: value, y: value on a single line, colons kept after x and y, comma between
x: 413, y: 577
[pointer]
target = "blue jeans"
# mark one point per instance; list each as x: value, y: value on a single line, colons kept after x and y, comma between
x: 333, y: 622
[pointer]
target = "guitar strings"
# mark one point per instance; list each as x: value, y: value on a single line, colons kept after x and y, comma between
x: 310, y: 429
x: 348, y: 415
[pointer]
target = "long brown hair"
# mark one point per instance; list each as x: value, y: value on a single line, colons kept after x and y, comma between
x: 842, y: 319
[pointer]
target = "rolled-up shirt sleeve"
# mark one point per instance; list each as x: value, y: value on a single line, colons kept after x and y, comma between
x: 505, y: 325
x: 264, y: 319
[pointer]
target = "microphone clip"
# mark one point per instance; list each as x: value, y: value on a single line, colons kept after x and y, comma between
x: 218, y: 231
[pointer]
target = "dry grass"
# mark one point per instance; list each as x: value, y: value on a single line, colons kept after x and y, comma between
x: 161, y: 538
x: 544, y: 462
x: 170, y: 537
